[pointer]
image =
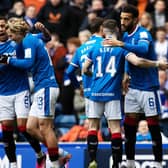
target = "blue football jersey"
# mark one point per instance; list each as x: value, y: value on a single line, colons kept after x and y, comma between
x: 141, y: 78
x: 12, y: 80
x: 108, y: 63
x: 36, y: 60
x: 79, y: 59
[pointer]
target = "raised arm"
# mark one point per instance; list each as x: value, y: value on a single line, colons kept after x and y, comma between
x: 140, y: 48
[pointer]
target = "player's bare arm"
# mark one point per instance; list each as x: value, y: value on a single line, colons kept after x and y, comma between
x: 145, y: 63
x: 113, y: 42
x: 85, y: 69
x: 40, y: 26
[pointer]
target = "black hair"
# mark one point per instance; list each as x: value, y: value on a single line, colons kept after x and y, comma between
x: 131, y: 9
x: 96, y: 24
x: 2, y: 17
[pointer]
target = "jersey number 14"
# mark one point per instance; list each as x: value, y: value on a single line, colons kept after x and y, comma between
x: 110, y: 67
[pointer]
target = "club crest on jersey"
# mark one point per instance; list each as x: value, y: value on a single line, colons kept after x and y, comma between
x: 143, y: 35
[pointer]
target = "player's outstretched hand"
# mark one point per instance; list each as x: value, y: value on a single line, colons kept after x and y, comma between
x: 113, y: 42
x: 39, y: 26
x: 88, y: 73
x: 3, y: 59
x: 163, y: 65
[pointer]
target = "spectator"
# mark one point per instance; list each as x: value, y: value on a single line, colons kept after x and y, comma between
x: 78, y: 133
x: 159, y: 16
x: 84, y: 35
x: 57, y: 17
x: 161, y: 44
x: 30, y: 15
x: 146, y: 21
x: 119, y: 4
x: 78, y: 12
x: 57, y: 53
x: 96, y: 9
x: 68, y: 91
x: 143, y: 133
x: 37, y: 3
x: 18, y: 10
x: 141, y: 5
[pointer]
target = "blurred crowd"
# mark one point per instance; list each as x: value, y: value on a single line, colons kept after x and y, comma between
x: 69, y: 20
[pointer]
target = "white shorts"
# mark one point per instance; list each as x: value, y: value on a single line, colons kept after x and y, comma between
x: 111, y: 110
x: 87, y: 105
x: 148, y: 102
x: 44, y: 102
x: 17, y: 105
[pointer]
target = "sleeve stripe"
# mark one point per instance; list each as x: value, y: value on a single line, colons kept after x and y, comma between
x: 74, y: 64
x: 144, y: 40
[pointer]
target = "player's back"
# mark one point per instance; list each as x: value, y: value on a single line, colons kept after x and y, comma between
x: 142, y: 78
x: 13, y: 80
x: 80, y: 57
x: 42, y: 68
x: 108, y: 63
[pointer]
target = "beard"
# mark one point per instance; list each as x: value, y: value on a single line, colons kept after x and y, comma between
x: 127, y: 28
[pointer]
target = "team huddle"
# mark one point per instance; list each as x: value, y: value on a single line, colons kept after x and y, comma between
x: 107, y: 65
x: 22, y: 53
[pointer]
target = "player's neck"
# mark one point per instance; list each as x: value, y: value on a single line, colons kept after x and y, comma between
x: 133, y: 29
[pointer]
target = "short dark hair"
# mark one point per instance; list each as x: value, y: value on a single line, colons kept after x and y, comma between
x: 74, y: 40
x: 2, y: 17
x: 110, y: 24
x: 161, y: 28
x: 96, y: 24
x: 131, y: 9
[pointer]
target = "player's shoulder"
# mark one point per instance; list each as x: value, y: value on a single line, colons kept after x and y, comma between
x: 7, y: 45
x: 31, y: 40
x: 143, y: 32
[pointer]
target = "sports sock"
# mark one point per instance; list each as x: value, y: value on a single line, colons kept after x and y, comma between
x: 53, y: 154
x: 116, y: 144
x: 154, y: 129
x: 92, y: 143
x: 9, y: 144
x: 130, y: 127
x: 33, y: 142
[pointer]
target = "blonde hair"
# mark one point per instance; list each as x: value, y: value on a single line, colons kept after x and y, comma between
x: 84, y: 35
x: 18, y: 25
